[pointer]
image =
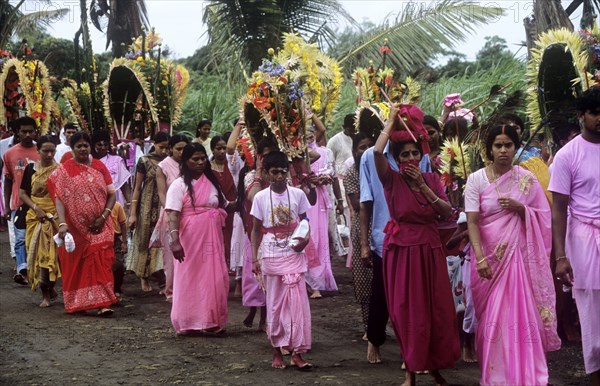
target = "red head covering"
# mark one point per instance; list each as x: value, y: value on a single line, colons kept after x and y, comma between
x: 412, y: 115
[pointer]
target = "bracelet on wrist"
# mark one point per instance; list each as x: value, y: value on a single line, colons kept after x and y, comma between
x: 436, y: 200
x: 103, y: 216
x: 107, y: 210
x: 62, y: 223
x: 481, y: 261
x: 174, y: 231
x: 561, y: 258
x: 34, y: 206
x: 384, y: 133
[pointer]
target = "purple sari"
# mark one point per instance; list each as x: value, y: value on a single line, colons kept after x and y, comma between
x: 515, y: 309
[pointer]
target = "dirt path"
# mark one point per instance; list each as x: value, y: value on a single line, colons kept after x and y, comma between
x: 138, y: 345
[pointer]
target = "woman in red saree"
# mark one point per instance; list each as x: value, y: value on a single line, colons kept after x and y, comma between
x: 84, y: 195
x: 417, y: 288
x: 201, y: 282
x: 513, y: 293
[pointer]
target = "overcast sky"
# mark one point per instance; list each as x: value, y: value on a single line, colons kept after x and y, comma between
x: 179, y: 22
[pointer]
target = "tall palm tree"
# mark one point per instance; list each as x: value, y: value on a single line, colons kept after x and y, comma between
x: 124, y: 19
x: 243, y: 30
x: 14, y: 22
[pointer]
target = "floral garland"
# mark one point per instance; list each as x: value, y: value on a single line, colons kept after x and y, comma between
x: 279, y: 102
x: 25, y: 89
x: 73, y: 95
x: 164, y: 84
x: 453, y: 164
x: 319, y: 75
x: 574, y: 44
x: 370, y: 83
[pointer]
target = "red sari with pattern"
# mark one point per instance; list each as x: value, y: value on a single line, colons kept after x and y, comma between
x: 86, y: 272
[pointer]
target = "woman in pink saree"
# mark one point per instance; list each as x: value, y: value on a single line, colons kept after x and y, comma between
x: 513, y: 292
x: 200, y: 279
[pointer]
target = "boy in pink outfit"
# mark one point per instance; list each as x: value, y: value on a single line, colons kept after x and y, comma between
x: 276, y: 212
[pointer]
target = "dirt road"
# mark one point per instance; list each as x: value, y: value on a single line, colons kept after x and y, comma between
x: 138, y: 345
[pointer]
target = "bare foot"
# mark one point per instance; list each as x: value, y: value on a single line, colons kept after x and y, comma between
x: 277, y: 362
x: 365, y: 337
x: 316, y: 294
x: 437, y: 377
x: 249, y: 320
x: 45, y: 303
x: 145, y: 285
x: 373, y: 355
x: 410, y: 379
x: 468, y: 355
x: 298, y: 361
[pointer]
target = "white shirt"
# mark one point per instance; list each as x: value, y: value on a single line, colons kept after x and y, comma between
x: 61, y: 149
x: 341, y: 147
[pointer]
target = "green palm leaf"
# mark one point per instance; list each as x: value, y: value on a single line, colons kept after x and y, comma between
x: 419, y: 32
x: 245, y: 29
x: 14, y: 22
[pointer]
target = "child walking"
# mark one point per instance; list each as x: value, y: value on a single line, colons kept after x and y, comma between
x: 276, y: 212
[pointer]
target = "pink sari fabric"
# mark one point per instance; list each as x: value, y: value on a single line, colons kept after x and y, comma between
x: 252, y: 294
x: 201, y: 281
x: 515, y: 310
x: 288, y: 311
x: 170, y: 169
x: 319, y: 276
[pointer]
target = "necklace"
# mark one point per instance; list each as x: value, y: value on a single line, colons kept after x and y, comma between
x: 287, y: 238
x: 219, y: 168
x: 496, y: 177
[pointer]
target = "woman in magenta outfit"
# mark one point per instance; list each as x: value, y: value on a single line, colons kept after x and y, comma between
x: 416, y: 280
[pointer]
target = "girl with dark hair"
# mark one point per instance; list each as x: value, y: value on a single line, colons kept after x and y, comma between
x: 362, y: 273
x: 220, y: 169
x: 167, y: 172
x: 203, y: 135
x: 42, y: 258
x: 195, y: 205
x: 101, y: 142
x: 508, y: 218
x: 417, y: 287
x: 435, y: 140
x: 144, y: 214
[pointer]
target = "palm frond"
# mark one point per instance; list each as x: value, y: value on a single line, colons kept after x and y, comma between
x: 40, y: 19
x: 419, y: 32
x: 250, y: 27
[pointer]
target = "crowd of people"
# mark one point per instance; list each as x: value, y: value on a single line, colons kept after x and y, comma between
x: 486, y: 270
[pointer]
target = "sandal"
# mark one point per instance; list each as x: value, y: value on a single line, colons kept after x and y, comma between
x: 20, y: 279
x: 105, y: 312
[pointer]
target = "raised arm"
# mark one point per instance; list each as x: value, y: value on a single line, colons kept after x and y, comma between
x: 235, y: 134
x: 320, y: 128
x: 381, y: 163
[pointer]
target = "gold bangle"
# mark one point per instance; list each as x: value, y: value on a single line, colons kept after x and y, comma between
x: 134, y: 200
x: 434, y: 201
x: 103, y: 217
x: 174, y: 230
x: 481, y: 261
x: 106, y: 209
x: 561, y: 258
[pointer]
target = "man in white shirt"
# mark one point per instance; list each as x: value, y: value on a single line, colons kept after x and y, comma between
x: 69, y: 129
x: 341, y: 145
